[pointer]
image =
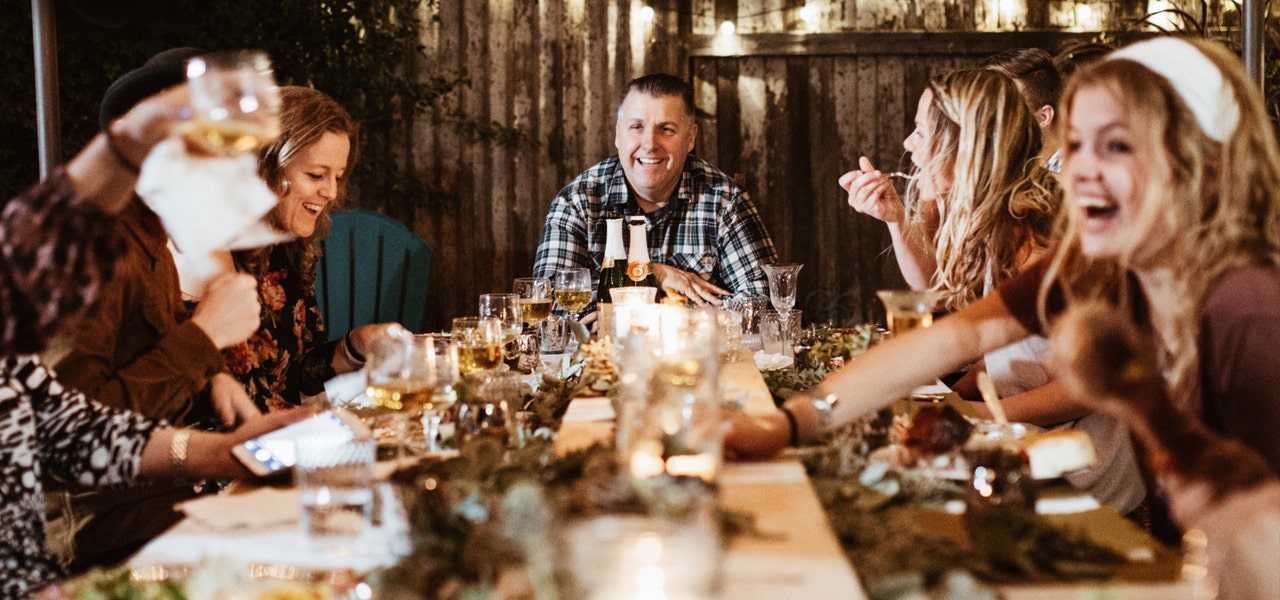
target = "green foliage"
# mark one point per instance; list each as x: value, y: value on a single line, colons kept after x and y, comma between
x: 367, y: 54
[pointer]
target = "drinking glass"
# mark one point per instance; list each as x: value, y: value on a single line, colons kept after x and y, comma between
x: 505, y: 308
x: 782, y: 285
x: 335, y: 489
x: 535, y: 298
x: 908, y: 309
x: 478, y: 341
x: 572, y: 290
x: 782, y: 290
x: 408, y: 375
x: 235, y: 102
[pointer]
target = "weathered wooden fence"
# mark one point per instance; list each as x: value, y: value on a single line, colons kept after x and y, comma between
x: 790, y: 111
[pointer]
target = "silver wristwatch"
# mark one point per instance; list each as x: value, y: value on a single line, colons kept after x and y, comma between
x: 824, y: 403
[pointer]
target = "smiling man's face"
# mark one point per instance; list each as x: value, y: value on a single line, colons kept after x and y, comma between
x: 653, y: 136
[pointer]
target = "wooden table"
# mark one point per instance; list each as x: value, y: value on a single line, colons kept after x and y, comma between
x: 802, y: 559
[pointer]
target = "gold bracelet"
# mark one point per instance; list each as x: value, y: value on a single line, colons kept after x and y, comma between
x: 178, y: 452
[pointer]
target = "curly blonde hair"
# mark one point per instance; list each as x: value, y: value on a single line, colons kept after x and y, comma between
x: 306, y: 115
x: 999, y: 203
x: 1222, y: 207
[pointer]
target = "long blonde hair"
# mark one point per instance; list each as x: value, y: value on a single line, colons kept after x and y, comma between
x: 1001, y: 202
x: 1223, y: 213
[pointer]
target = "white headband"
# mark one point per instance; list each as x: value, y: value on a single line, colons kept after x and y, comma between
x: 1195, y: 78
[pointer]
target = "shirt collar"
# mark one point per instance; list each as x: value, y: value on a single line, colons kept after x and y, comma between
x: 618, y: 195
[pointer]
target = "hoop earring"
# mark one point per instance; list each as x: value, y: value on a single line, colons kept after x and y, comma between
x: 284, y: 188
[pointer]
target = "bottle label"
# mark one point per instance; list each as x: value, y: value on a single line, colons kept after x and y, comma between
x: 637, y: 271
x: 608, y: 262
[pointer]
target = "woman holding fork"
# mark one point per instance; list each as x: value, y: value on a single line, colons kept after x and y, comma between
x: 980, y: 207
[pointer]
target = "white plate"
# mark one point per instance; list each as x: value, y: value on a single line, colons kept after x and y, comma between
x: 949, y: 467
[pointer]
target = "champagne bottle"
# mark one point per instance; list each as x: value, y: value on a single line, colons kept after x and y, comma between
x: 613, y: 269
x: 639, y: 271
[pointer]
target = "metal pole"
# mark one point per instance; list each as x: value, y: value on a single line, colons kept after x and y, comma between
x: 46, y: 55
x: 1253, y: 40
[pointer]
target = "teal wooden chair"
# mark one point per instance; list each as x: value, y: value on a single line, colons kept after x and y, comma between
x: 373, y: 270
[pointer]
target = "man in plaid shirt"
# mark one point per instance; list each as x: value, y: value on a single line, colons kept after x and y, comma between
x: 705, y: 237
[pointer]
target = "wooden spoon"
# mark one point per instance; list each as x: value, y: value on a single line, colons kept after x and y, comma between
x: 990, y: 397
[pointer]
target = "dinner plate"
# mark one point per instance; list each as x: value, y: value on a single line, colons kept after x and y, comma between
x: 894, y: 457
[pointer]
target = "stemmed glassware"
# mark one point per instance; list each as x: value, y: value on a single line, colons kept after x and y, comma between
x: 505, y: 308
x: 782, y: 290
x: 407, y: 377
x: 479, y: 343
x: 908, y: 309
x: 235, y: 102
x: 535, y: 299
x: 572, y: 289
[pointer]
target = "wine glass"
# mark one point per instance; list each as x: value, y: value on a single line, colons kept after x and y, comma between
x: 235, y: 102
x: 404, y: 377
x: 782, y: 285
x: 505, y: 308
x: 782, y: 290
x: 908, y: 309
x: 535, y: 298
x: 572, y: 289
x: 478, y: 341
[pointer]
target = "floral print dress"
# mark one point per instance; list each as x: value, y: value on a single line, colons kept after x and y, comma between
x: 56, y: 250
x: 288, y: 356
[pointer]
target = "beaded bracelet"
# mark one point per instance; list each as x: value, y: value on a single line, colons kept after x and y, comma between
x: 116, y: 151
x: 795, y: 427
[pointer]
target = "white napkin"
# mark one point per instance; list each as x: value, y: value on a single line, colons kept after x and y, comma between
x: 770, y: 362
x: 1062, y: 505
x: 589, y: 409
x: 208, y: 205
x: 260, y: 508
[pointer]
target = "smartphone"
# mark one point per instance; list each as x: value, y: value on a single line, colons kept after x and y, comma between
x: 274, y: 452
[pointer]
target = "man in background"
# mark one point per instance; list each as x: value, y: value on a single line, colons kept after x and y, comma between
x: 1033, y: 71
x: 705, y: 237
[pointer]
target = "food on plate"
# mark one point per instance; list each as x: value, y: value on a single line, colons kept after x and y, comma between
x: 1054, y: 453
x: 936, y: 429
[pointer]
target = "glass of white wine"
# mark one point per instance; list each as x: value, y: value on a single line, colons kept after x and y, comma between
x: 908, y: 309
x: 505, y: 308
x: 405, y: 375
x: 572, y: 290
x: 478, y: 341
x: 535, y: 299
x: 235, y: 102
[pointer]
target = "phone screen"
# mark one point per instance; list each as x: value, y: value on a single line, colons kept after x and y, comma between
x: 275, y: 451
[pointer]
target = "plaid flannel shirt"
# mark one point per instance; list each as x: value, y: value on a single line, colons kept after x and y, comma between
x: 710, y: 227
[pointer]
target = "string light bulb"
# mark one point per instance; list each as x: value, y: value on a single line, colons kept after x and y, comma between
x: 809, y: 15
x: 728, y: 28
x: 646, y: 14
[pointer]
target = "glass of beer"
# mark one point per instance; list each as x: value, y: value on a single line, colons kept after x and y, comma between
x: 908, y: 309
x: 535, y: 299
x: 405, y: 376
x: 235, y: 103
x: 478, y: 341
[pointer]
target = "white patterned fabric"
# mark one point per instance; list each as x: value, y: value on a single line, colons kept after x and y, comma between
x: 1116, y: 480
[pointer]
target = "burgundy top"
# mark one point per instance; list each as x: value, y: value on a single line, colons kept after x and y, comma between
x: 1239, y: 350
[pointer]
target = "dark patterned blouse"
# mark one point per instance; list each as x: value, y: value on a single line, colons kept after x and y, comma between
x: 57, y: 250
x: 288, y: 356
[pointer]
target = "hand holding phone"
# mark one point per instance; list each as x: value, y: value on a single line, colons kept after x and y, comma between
x: 275, y: 451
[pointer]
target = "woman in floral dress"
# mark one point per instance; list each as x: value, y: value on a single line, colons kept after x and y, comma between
x: 307, y: 167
